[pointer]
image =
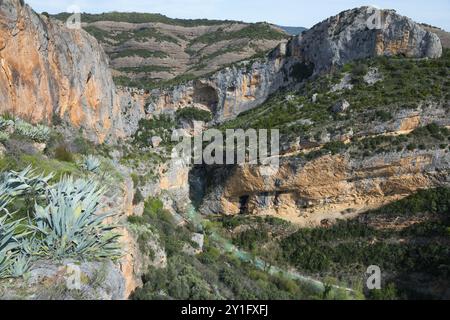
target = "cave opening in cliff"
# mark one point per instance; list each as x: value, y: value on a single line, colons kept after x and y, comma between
x: 276, y: 200
x: 243, y: 204
x: 206, y: 95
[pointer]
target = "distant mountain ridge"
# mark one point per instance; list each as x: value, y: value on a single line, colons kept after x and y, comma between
x: 293, y: 31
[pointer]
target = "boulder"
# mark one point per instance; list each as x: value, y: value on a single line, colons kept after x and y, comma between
x: 341, y: 106
x: 363, y: 33
x: 156, y: 141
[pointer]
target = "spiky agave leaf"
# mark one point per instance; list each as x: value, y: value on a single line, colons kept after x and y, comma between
x: 8, y: 235
x: 20, y: 265
x: 5, y: 199
x: 38, y: 133
x: 5, y: 123
x: 91, y: 163
x: 5, y: 265
x: 72, y: 226
x: 17, y: 184
x: 9, y: 244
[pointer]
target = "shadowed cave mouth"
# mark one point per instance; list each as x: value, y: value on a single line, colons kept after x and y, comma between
x: 264, y: 199
x: 243, y: 204
x: 206, y: 95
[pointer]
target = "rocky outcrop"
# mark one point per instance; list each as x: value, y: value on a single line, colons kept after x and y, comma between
x: 442, y: 34
x: 141, y: 248
x: 66, y: 74
x: 50, y: 73
x: 227, y: 93
x: 330, y: 187
x: 68, y: 280
x: 355, y: 34
x: 364, y: 33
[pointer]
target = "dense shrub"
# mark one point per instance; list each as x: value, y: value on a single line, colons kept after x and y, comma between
x: 63, y: 154
x: 193, y: 114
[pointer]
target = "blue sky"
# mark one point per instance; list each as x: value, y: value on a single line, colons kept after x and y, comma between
x: 282, y: 12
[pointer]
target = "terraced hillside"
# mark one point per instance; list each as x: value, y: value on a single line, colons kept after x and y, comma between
x: 147, y: 48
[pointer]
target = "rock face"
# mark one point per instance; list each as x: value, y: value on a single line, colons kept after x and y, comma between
x: 341, y: 106
x: 355, y: 34
x: 50, y: 72
x: 364, y: 33
x: 327, y: 188
x: 226, y: 93
x: 67, y: 280
x: 331, y: 187
x: 442, y: 34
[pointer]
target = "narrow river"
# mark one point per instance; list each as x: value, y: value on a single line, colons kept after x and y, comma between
x: 226, y: 246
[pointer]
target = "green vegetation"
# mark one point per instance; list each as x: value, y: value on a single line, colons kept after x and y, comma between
x: 216, y: 276
x: 91, y: 163
x: 63, y: 154
x: 150, y: 84
x: 405, y: 84
x: 350, y: 246
x: 160, y: 126
x: 191, y: 113
x: 134, y: 17
x: 20, y: 128
x: 144, y: 34
x: 120, y: 37
x: 430, y: 137
x: 258, y: 31
x: 146, y: 69
x: 139, y: 53
x: 210, y: 275
x: 40, y: 163
x: 345, y: 250
x: 161, y: 222
x: 100, y: 34
x: 69, y: 224
x: 205, y: 58
x: 62, y: 221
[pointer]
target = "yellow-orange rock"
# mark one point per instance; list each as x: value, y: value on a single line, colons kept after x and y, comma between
x: 49, y: 71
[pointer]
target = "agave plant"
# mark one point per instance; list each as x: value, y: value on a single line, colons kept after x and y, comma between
x: 4, y: 201
x: 72, y: 225
x: 5, y: 123
x: 91, y: 163
x: 15, y: 184
x: 39, y: 133
x: 4, y: 136
x: 20, y: 265
x: 9, y: 245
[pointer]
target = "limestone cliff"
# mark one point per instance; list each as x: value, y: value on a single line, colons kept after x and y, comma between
x: 328, y: 188
x: 49, y: 72
x: 364, y: 33
x: 355, y: 34
x: 226, y: 93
